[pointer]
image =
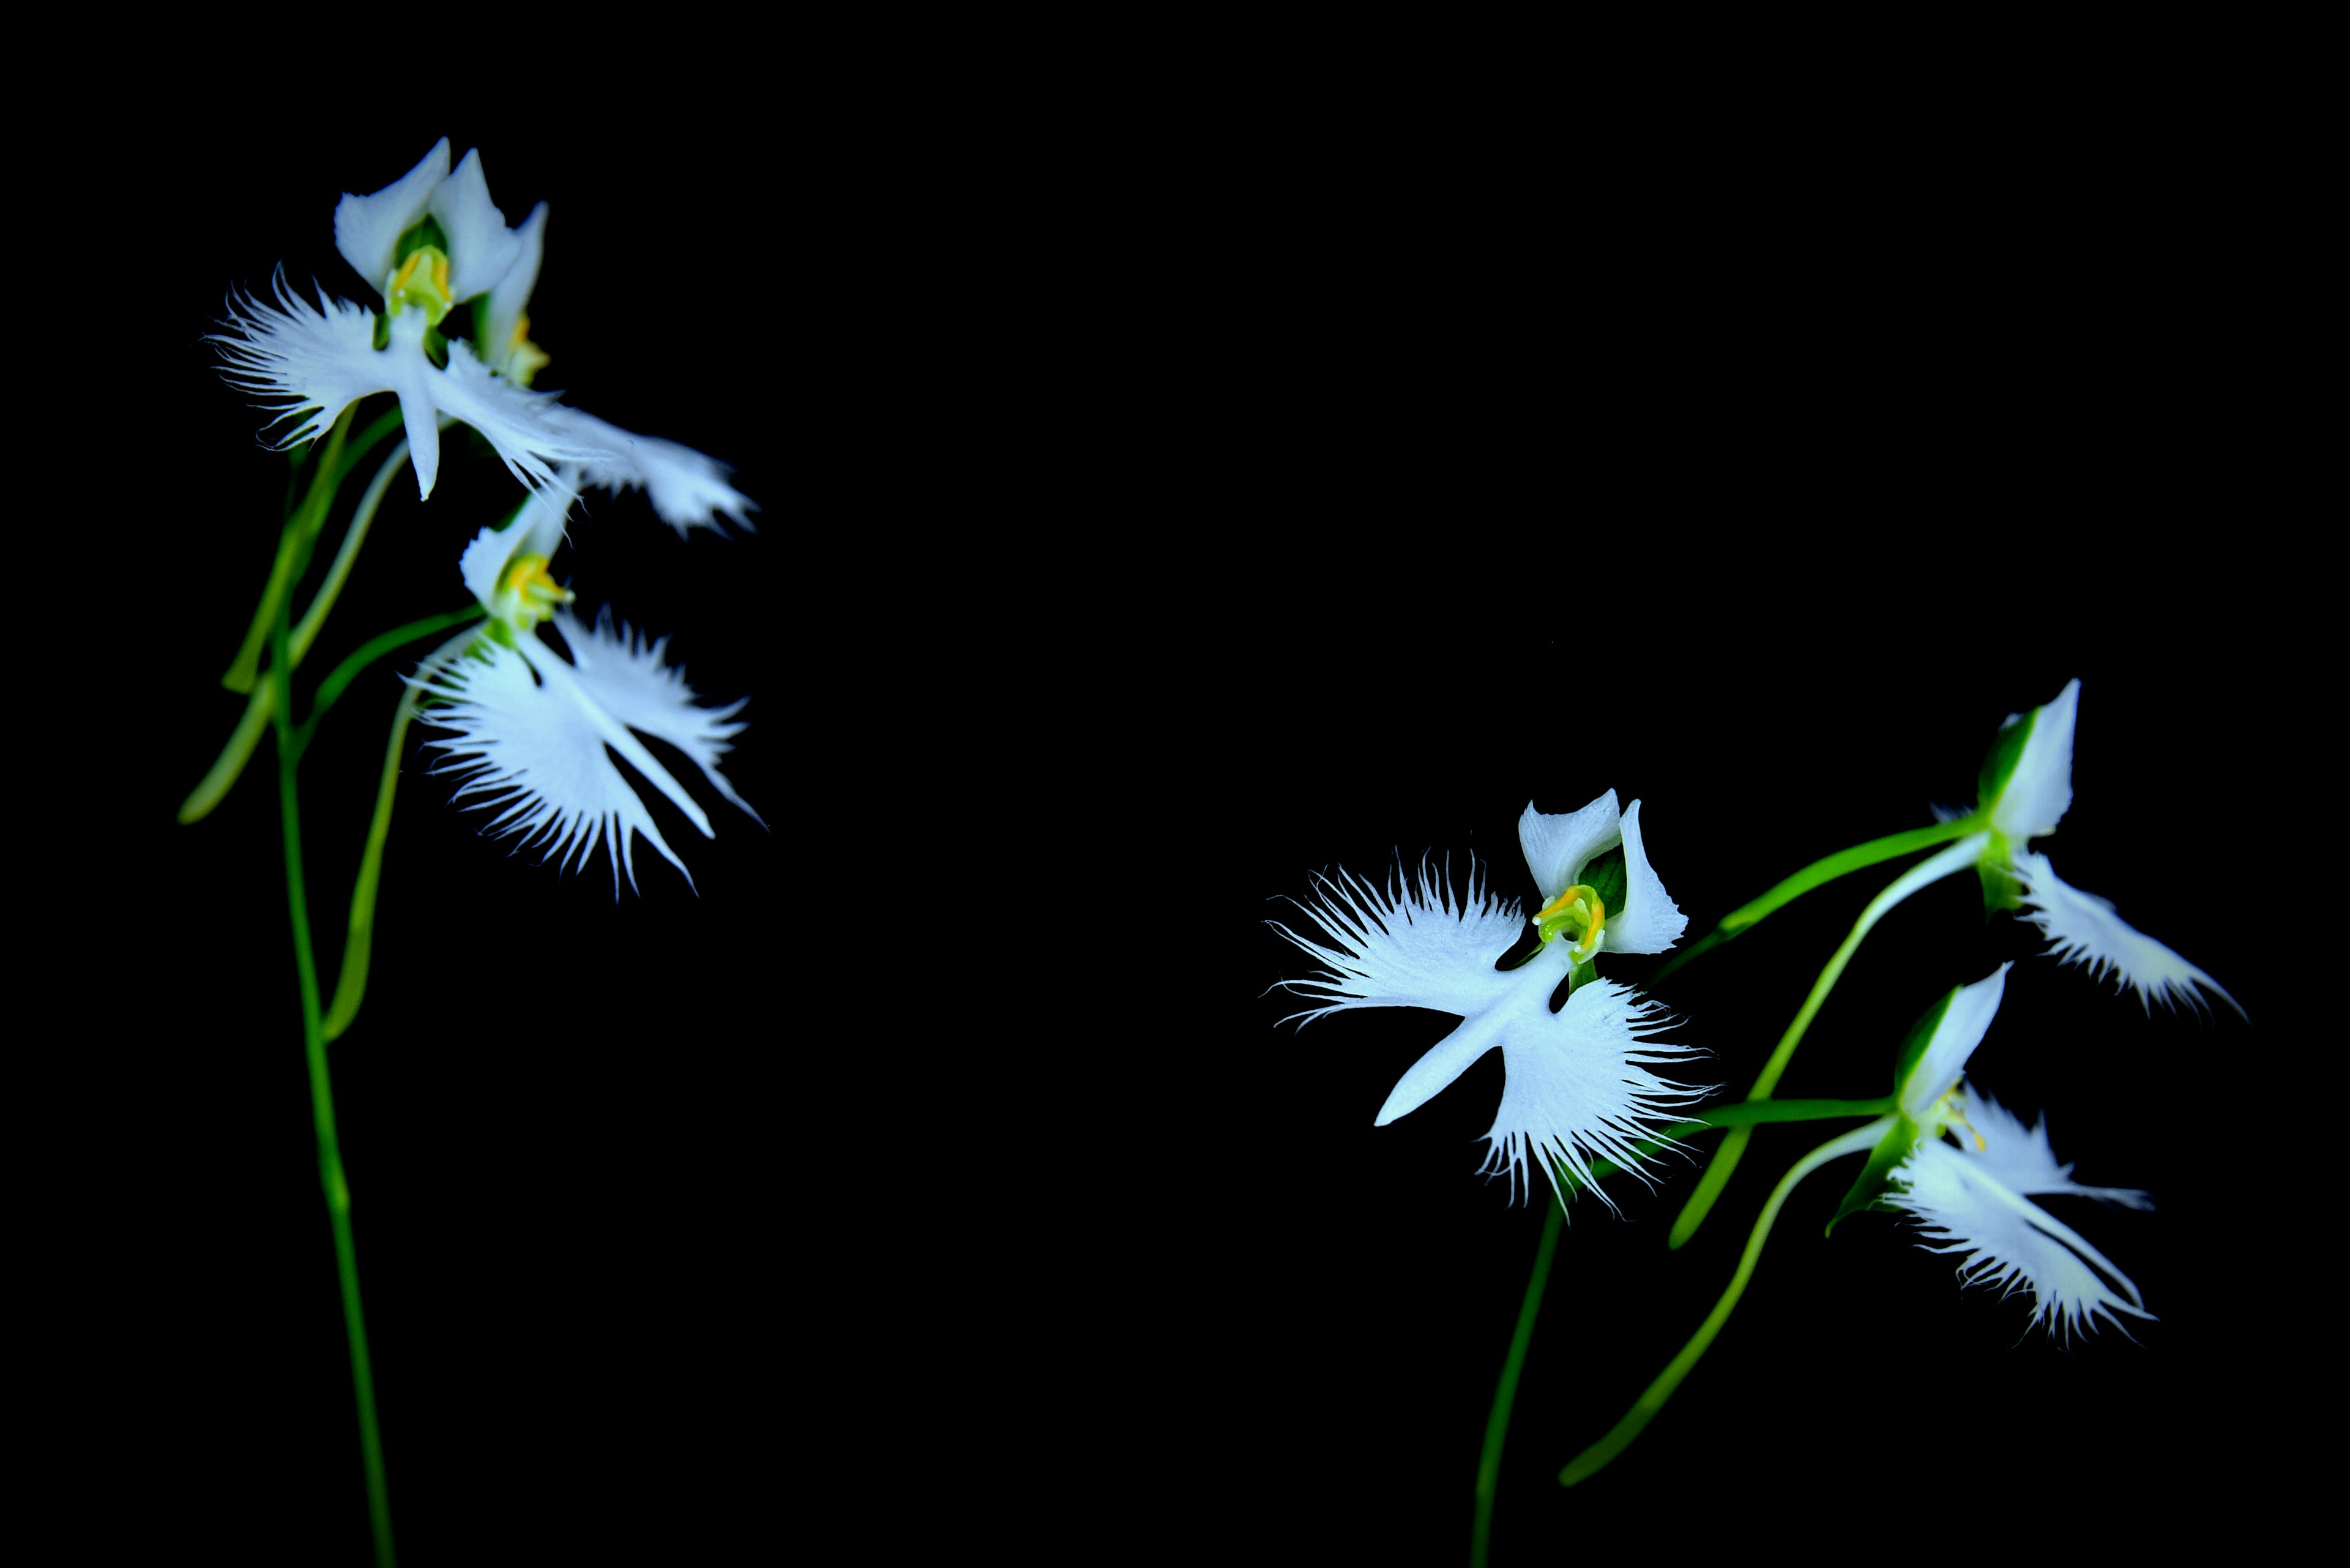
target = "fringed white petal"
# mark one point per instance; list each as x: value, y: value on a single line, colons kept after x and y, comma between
x: 626, y: 676
x: 2083, y: 929
x: 1579, y: 1086
x: 2023, y: 1159
x: 482, y: 249
x: 2011, y: 1242
x: 1412, y: 944
x: 305, y: 363
x: 534, y: 753
x: 1649, y: 921
x: 510, y: 295
x: 686, y: 489
x: 2041, y: 788
x: 1955, y: 1037
x: 515, y: 423
x: 367, y: 228
x: 1559, y: 844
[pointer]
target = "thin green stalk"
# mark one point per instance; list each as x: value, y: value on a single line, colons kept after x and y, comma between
x: 1819, y: 873
x: 358, y: 943
x: 354, y: 536
x: 322, y: 1098
x: 1957, y: 857
x: 340, y: 678
x: 1593, y: 1460
x: 292, y: 547
x: 230, y: 764
x: 1497, y: 1424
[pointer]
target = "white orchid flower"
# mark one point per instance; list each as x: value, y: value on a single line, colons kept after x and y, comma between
x: 1975, y: 1193
x: 688, y: 490
x: 2027, y: 788
x: 1579, y: 1086
x: 426, y: 243
x: 533, y: 732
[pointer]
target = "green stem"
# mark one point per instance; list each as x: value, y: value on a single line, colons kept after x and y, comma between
x: 354, y: 536
x: 367, y: 653
x: 1955, y: 858
x: 230, y: 764
x: 1497, y: 1424
x: 358, y: 944
x: 293, y: 546
x: 322, y: 1098
x: 1593, y: 1460
x: 1819, y: 873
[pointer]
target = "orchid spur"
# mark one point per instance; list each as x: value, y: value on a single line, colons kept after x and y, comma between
x: 530, y: 729
x: 1579, y: 1087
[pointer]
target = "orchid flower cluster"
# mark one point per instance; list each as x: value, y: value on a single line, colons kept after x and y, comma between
x: 1582, y: 1097
x: 530, y: 730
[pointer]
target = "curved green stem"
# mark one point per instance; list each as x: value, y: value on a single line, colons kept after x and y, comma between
x: 354, y: 536
x: 322, y: 1097
x: 230, y: 764
x: 293, y: 551
x: 1819, y: 873
x: 1593, y: 1460
x: 1955, y: 858
x: 367, y: 653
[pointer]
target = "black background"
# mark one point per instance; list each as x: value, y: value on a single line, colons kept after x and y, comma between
x: 1159, y: 503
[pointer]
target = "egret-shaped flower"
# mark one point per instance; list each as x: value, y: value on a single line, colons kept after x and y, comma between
x: 688, y: 490
x: 426, y: 243
x: 2027, y: 787
x: 1579, y: 1086
x: 531, y: 728
x: 1974, y: 1192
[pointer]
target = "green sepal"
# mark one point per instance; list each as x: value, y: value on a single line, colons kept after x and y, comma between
x: 1605, y: 876
x: 1876, y: 1178
x: 424, y: 232
x: 2006, y: 750
x: 1921, y: 1036
x: 2001, y: 890
x: 480, y: 306
x: 382, y: 330
x: 436, y: 348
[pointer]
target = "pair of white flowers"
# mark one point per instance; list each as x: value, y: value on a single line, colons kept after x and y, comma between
x: 1579, y: 1081
x: 533, y: 733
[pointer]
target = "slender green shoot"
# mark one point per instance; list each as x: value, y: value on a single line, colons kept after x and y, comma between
x: 339, y: 678
x: 1818, y: 874
x: 230, y: 764
x: 322, y: 1098
x: 1497, y: 1422
x: 354, y: 536
x: 293, y: 551
x: 1955, y: 858
x: 1594, y: 1458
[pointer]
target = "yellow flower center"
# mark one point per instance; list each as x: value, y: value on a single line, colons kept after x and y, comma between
x: 1579, y: 915
x: 1949, y: 1111
x: 527, y: 593
x: 525, y: 358
x: 422, y: 281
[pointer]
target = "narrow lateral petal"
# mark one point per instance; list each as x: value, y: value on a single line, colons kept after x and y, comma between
x: 2083, y: 929
x: 1412, y: 944
x: 305, y: 364
x: 1649, y: 921
x: 482, y: 249
x: 530, y: 754
x: 2010, y: 1243
x: 1579, y: 1087
x: 627, y: 677
x: 1960, y: 1030
x: 1559, y: 844
x: 2022, y: 1158
x: 2041, y: 788
x: 367, y: 228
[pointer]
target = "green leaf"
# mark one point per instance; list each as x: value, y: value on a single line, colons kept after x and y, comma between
x: 2006, y: 749
x: 1876, y: 1178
